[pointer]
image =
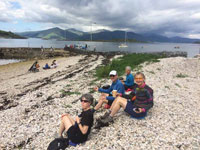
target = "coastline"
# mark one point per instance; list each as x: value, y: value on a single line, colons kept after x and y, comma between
x: 8, y: 61
x: 31, y: 104
x: 45, y: 53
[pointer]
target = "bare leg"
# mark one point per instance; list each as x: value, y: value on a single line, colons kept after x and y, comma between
x: 114, y: 102
x: 71, y: 119
x: 61, y: 129
x: 66, y: 123
x: 101, y: 101
x: 120, y: 102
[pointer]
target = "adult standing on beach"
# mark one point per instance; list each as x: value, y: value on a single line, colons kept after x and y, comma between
x: 107, y: 95
x: 136, y: 104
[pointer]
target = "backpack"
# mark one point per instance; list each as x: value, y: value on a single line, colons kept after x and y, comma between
x: 58, y: 144
x: 106, y: 87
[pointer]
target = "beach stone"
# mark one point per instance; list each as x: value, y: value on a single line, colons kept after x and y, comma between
x: 173, y: 122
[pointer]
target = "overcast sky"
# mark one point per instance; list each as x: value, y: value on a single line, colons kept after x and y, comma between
x: 170, y: 18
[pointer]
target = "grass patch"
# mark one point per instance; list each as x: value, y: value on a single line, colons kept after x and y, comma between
x: 68, y: 85
x: 138, y: 68
x: 93, y: 82
x: 90, y: 72
x: 91, y: 90
x: 152, y: 72
x: 167, y: 87
x: 65, y: 93
x: 180, y: 75
x: 67, y: 106
x: 177, y: 85
x: 133, y: 60
x: 158, y: 69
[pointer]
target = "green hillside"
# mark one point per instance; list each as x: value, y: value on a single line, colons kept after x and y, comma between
x: 53, y: 33
x: 53, y: 36
x: 10, y: 35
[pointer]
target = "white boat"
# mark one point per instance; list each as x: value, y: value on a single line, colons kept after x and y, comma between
x: 124, y: 45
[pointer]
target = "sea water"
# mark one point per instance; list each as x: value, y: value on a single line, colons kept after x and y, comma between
x: 8, y: 61
x: 190, y: 48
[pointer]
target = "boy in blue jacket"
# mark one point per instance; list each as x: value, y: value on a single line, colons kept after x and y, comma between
x: 106, y: 96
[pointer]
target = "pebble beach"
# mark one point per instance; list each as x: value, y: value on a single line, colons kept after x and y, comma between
x: 31, y: 105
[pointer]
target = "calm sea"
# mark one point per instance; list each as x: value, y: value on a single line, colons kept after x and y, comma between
x: 191, y: 49
x: 8, y: 61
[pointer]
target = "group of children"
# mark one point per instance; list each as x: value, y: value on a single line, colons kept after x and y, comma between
x: 133, y: 95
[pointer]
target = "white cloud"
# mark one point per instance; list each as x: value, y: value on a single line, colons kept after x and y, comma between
x: 180, y: 17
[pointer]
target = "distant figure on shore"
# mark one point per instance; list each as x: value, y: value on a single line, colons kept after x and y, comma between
x: 46, y: 66
x: 42, y: 49
x: 72, y: 46
x: 95, y: 48
x: 136, y: 104
x: 78, y: 129
x: 51, y: 49
x: 108, y: 95
x: 54, y: 64
x: 128, y: 83
x: 35, y: 67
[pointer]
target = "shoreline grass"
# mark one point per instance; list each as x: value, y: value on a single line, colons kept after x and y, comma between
x: 180, y: 75
x: 132, y: 60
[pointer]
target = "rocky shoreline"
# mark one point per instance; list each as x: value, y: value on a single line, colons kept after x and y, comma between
x: 31, y: 105
x: 31, y: 53
x: 74, y: 51
x: 45, y: 53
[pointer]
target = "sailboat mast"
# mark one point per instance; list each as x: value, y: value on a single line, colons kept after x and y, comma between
x: 125, y: 36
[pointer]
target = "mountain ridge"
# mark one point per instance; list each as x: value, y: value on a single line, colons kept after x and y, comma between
x: 102, y: 35
x: 10, y: 35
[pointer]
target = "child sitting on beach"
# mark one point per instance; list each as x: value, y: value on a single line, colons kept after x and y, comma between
x: 137, y: 103
x: 35, y: 67
x: 46, y: 66
x: 54, y: 64
x: 78, y: 129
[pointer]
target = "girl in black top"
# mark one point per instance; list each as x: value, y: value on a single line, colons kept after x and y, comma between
x: 78, y: 129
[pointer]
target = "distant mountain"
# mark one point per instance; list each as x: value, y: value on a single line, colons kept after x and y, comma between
x: 110, y: 35
x: 156, y: 38
x: 73, y: 34
x: 160, y: 38
x: 77, y: 32
x: 101, y: 30
x: 197, y: 42
x: 53, y: 33
x: 9, y: 35
x: 102, y: 35
x: 183, y: 40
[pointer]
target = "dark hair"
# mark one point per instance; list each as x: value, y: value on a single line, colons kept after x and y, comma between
x: 139, y: 73
x: 88, y: 97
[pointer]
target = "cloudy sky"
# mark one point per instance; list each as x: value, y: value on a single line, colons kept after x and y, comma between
x: 170, y: 18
